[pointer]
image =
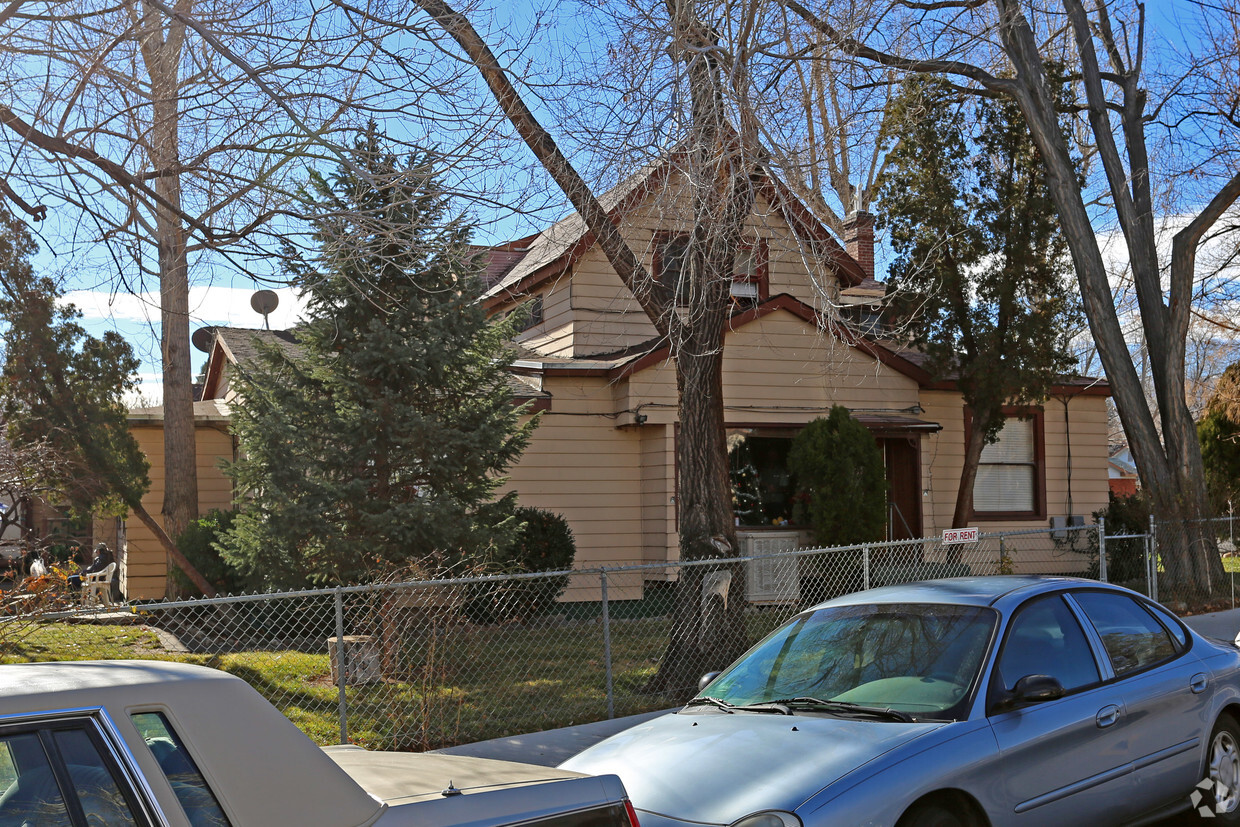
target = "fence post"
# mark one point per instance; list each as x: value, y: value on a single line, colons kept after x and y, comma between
x: 611, y: 697
x: 342, y: 658
x: 1152, y: 560
x: 1102, y: 549
x: 1002, y: 554
x: 865, y: 567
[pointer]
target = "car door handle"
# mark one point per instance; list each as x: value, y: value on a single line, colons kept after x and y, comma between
x: 1197, y: 683
x: 1107, y: 716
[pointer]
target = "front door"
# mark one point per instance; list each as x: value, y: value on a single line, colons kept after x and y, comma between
x: 902, y: 456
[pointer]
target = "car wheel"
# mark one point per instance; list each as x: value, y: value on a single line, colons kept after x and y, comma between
x: 936, y: 814
x: 1223, y: 770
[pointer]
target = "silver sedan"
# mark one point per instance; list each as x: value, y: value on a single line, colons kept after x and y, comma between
x: 952, y: 703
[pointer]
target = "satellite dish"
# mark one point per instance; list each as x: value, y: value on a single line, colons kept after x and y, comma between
x: 265, y: 301
x: 202, y: 338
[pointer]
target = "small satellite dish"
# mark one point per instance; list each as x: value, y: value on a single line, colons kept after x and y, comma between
x: 265, y: 301
x: 202, y: 338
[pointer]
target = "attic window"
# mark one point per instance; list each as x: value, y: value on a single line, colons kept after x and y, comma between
x: 749, y: 276
x: 671, y: 264
x: 534, y: 312
x: 750, y: 280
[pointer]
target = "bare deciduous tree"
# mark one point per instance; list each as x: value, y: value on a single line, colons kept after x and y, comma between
x: 1001, y: 47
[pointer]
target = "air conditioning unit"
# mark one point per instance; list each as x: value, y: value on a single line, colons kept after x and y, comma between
x: 1060, y: 525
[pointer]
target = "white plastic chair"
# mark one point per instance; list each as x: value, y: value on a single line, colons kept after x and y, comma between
x: 97, y: 587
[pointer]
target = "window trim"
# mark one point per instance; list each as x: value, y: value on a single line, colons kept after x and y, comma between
x: 1038, y: 416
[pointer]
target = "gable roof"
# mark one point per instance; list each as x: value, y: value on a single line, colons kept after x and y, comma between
x: 529, y: 262
x: 240, y: 346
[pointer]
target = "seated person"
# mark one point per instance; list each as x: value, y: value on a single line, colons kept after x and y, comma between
x: 103, y: 557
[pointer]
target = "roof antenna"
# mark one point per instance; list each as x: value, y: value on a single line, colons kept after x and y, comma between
x: 265, y: 301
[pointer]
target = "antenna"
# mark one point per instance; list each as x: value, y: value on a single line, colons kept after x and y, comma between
x: 202, y: 338
x: 265, y: 301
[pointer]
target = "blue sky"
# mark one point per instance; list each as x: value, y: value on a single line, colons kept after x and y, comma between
x: 222, y: 296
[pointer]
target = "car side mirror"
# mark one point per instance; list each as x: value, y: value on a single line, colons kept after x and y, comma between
x: 705, y: 680
x: 1033, y: 689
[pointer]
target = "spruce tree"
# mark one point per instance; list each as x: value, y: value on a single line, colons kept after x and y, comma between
x: 380, y: 438
x: 1219, y: 432
x: 981, y: 275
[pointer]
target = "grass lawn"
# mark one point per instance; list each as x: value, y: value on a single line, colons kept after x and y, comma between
x: 469, y: 683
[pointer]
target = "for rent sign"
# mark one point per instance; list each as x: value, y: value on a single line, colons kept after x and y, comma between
x: 959, y: 535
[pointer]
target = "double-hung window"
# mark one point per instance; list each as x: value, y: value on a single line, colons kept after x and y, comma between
x: 1011, y: 479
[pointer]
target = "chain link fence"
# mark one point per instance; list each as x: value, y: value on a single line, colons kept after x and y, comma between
x: 427, y: 664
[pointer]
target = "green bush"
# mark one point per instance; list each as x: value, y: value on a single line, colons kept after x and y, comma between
x: 838, y: 465
x: 198, y: 544
x: 543, y: 543
x: 1124, y: 515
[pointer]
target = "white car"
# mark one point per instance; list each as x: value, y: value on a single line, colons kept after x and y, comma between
x: 151, y: 743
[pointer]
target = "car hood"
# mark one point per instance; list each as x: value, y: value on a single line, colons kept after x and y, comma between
x: 715, y: 767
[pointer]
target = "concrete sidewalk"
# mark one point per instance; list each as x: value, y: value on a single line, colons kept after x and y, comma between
x: 555, y: 746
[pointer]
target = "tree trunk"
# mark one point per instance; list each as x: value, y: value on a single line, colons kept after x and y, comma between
x: 1170, y: 467
x: 161, y: 53
x: 973, y: 448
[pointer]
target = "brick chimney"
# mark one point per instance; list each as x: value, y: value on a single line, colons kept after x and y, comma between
x: 859, y: 240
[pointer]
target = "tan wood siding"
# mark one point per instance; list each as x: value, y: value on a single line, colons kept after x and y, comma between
x: 144, y: 573
x: 943, y: 459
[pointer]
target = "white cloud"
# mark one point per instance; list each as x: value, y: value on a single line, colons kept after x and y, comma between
x: 213, y: 305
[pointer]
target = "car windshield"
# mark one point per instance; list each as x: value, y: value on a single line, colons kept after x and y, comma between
x: 921, y: 659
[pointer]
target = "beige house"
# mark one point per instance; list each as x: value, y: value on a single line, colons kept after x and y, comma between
x: 604, y: 454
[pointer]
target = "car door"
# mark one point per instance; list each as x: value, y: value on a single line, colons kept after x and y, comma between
x: 1163, y: 686
x: 1062, y: 761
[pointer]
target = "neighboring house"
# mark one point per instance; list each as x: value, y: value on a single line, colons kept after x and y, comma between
x: 1122, y: 473
x: 801, y: 339
x: 143, y: 566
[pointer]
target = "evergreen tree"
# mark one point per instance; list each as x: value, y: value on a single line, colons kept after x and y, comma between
x: 379, y: 439
x: 63, y: 388
x: 1219, y: 433
x: 835, y: 460
x: 981, y: 276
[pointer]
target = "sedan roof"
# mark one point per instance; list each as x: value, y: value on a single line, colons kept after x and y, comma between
x: 263, y: 769
x: 969, y: 591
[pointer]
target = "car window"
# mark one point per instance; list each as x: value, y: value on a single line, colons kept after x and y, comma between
x: 1169, y: 620
x: 97, y: 791
x: 1045, y: 639
x: 33, y: 796
x: 200, y: 804
x: 1132, y: 637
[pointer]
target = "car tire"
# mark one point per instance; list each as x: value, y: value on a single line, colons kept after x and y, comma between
x: 1223, y: 769
x: 936, y: 814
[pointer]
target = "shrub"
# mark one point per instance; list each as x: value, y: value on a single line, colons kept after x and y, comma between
x: 837, y: 463
x: 543, y: 543
x: 198, y: 544
x: 1124, y: 515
